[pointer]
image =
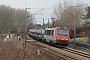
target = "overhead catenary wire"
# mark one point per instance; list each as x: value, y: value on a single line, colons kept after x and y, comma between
x: 60, y: 7
x: 42, y: 9
x: 68, y: 12
x: 45, y: 8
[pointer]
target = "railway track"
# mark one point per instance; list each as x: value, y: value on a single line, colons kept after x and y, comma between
x: 77, y: 52
x: 46, y: 50
x: 65, y: 53
x: 62, y: 57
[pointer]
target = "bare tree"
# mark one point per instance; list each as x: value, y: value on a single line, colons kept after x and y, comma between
x: 12, y: 19
x: 65, y: 14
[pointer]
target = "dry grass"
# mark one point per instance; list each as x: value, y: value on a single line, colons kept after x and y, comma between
x: 14, y: 50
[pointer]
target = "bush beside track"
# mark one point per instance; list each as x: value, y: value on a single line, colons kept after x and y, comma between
x: 79, y: 44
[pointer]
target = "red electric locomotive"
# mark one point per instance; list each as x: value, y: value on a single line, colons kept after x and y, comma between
x: 57, y: 35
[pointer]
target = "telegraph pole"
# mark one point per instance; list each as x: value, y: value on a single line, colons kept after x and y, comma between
x: 74, y: 27
x: 53, y: 21
x: 43, y: 24
x: 25, y: 28
x: 26, y: 25
x: 48, y: 22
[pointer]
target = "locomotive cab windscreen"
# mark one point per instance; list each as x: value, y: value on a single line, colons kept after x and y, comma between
x: 63, y: 32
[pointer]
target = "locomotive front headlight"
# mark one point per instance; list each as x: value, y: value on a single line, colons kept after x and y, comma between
x: 66, y: 39
x: 57, y: 38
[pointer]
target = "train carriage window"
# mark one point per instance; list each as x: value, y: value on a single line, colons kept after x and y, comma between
x: 52, y: 31
x: 45, y: 32
x: 49, y: 32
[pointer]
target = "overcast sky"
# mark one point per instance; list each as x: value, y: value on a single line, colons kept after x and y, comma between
x: 22, y: 4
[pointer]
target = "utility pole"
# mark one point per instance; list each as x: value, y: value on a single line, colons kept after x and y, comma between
x: 43, y: 24
x: 48, y: 22
x: 25, y: 28
x: 53, y: 21
x: 74, y: 27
